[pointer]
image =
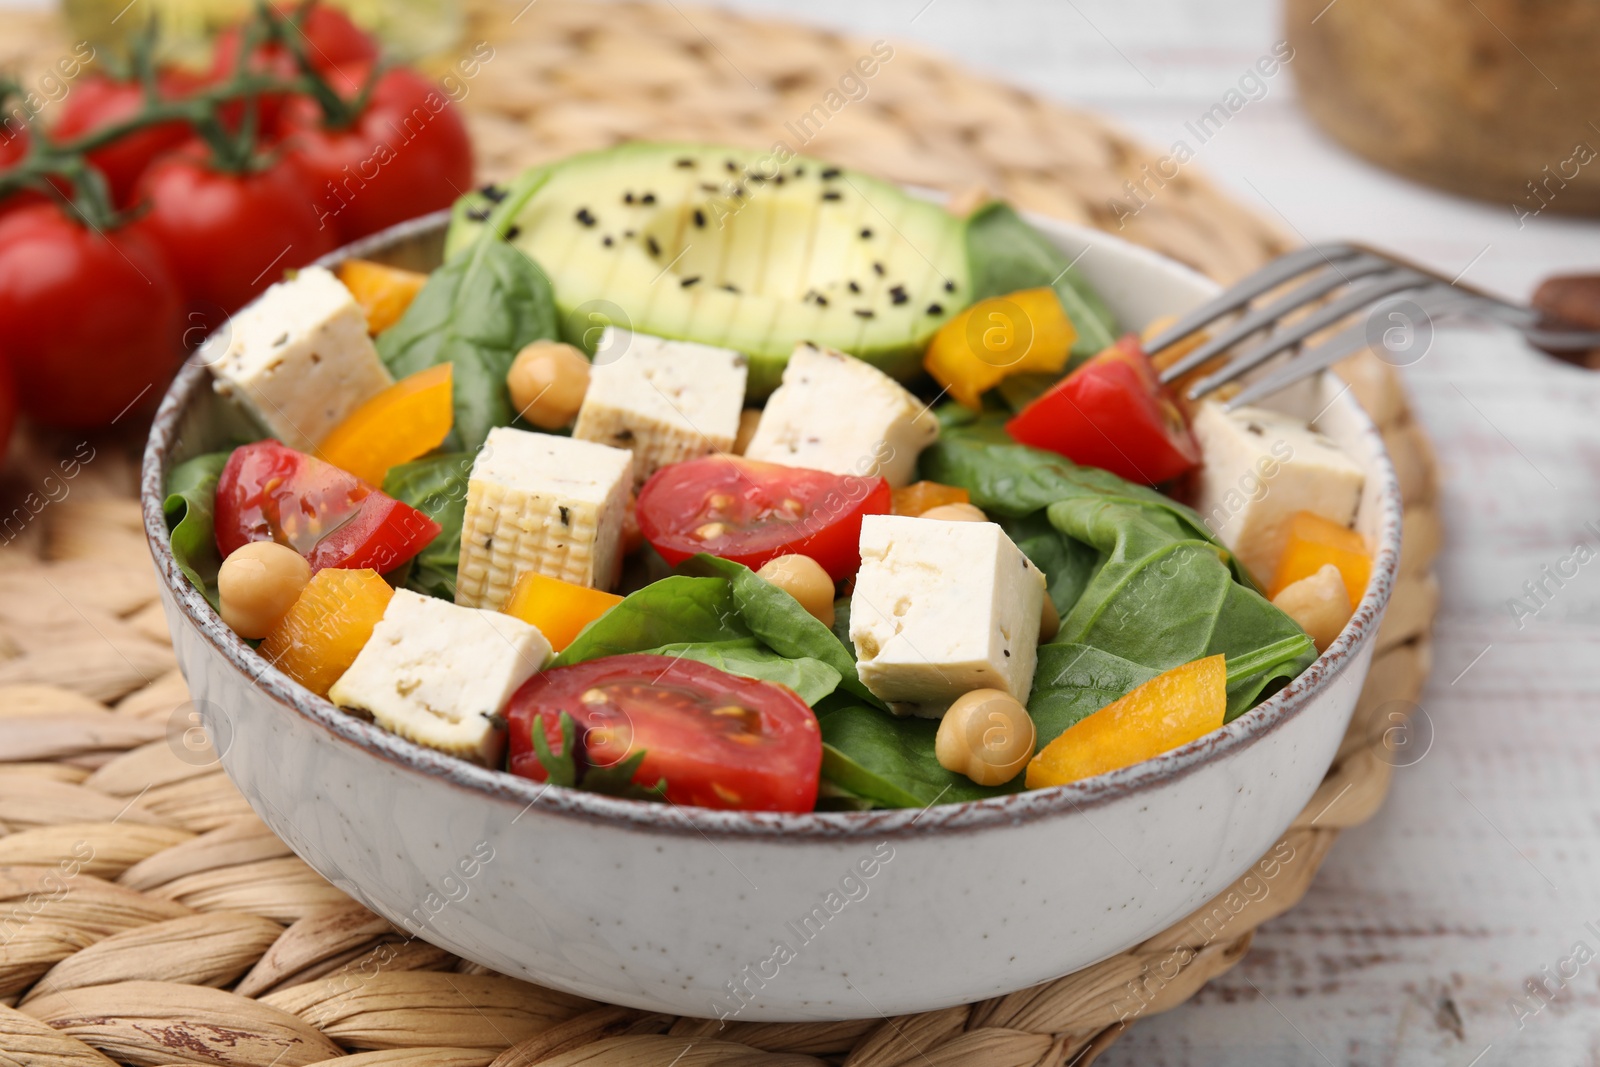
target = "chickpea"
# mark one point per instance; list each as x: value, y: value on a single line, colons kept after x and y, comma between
x: 804, y: 579
x: 987, y: 736
x: 547, y: 382
x: 1049, y: 620
x: 1319, y: 603
x: 956, y: 513
x: 258, y: 584
x: 749, y: 419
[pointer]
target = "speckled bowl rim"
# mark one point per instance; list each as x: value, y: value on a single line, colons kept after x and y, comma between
x: 501, y: 786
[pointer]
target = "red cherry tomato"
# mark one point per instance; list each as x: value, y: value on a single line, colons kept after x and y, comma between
x: 8, y: 408
x: 408, y: 153
x: 91, y: 323
x: 719, y: 741
x: 750, y: 512
x: 97, y: 101
x: 229, y: 236
x: 270, y: 492
x: 331, y: 41
x: 1112, y: 413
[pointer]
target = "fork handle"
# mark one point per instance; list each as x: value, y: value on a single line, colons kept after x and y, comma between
x: 1568, y: 303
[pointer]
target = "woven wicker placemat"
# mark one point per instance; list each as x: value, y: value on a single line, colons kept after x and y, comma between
x: 147, y: 916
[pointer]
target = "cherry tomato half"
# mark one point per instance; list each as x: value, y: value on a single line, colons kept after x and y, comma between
x: 1112, y: 413
x: 215, y: 228
x: 408, y: 153
x: 270, y: 492
x: 98, y: 101
x: 750, y: 512
x: 92, y: 323
x: 719, y: 740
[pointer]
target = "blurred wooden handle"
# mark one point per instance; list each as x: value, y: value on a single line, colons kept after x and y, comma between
x: 1573, y: 300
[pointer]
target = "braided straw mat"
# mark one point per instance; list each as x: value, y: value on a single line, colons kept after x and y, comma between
x: 147, y: 917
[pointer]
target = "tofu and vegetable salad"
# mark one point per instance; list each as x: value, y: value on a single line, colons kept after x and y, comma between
x: 741, y: 480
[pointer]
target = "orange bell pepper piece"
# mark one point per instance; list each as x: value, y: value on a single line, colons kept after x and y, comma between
x: 1021, y: 332
x: 1314, y: 541
x: 1169, y: 710
x: 560, y: 610
x: 320, y: 636
x: 383, y: 292
x: 918, y: 497
x: 406, y: 420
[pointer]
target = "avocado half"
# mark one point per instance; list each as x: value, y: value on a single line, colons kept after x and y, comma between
x: 747, y: 249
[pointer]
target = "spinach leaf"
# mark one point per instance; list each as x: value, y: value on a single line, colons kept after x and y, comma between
x: 475, y: 312
x: 1005, y: 254
x: 1256, y: 675
x: 1073, y: 682
x: 677, y: 610
x: 191, y: 499
x: 811, y: 679
x: 890, y: 760
x: 437, y: 487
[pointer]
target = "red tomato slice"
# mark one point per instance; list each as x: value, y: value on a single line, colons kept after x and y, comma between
x: 719, y: 740
x: 270, y: 492
x: 750, y: 512
x: 1112, y: 413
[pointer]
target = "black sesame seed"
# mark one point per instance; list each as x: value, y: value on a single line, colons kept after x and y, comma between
x: 627, y: 233
x: 1007, y: 652
x: 566, y: 516
x: 607, y: 241
x: 936, y: 309
x: 877, y: 268
x: 865, y: 313
x: 778, y: 180
x: 832, y: 194
x: 709, y: 187
x: 740, y: 192
x: 685, y: 162
x: 690, y: 280
x: 854, y: 288
x: 730, y: 287
x: 756, y: 178
x: 866, y: 233
x: 513, y: 232
x: 898, y: 294
x: 699, y: 218
x: 627, y: 197
x: 653, y: 245
x: 949, y: 287
x: 493, y: 193
x: 648, y: 198
x: 733, y: 168
x: 830, y: 174
x: 478, y: 214
x: 822, y: 301
x: 799, y: 172
x: 585, y: 216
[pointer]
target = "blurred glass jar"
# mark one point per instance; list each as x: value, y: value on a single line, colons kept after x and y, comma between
x: 411, y: 30
x: 1492, y: 99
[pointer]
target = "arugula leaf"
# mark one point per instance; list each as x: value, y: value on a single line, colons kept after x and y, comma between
x: 476, y: 312
x: 890, y: 760
x: 437, y: 487
x: 563, y: 768
x: 191, y: 500
x: 1005, y: 254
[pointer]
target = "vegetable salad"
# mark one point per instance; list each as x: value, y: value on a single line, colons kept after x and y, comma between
x: 686, y: 478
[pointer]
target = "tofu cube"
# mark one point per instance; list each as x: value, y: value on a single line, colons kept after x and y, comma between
x: 943, y: 608
x: 299, y: 358
x: 440, y: 675
x: 1259, y: 468
x: 543, y: 503
x: 834, y: 412
x: 666, y: 401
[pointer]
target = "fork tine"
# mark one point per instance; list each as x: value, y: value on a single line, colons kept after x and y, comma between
x: 1251, y: 286
x: 1319, y: 285
x: 1353, y: 301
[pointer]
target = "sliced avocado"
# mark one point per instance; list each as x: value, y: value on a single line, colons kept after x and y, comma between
x: 751, y: 250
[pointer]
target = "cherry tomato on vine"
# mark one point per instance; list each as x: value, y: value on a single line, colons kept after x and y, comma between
x: 229, y: 236
x: 91, y: 323
x: 331, y: 41
x: 406, y: 155
x: 98, y: 101
x: 8, y: 406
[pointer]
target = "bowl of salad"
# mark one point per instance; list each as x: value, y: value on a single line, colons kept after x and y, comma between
x: 722, y: 583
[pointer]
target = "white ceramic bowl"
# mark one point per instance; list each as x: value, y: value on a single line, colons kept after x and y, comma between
x: 764, y: 916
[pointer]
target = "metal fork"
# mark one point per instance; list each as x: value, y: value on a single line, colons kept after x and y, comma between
x: 1355, y: 279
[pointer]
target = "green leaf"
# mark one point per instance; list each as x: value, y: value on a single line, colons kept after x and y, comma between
x: 810, y: 679
x: 678, y: 610
x: 559, y: 768
x: 1005, y: 254
x: 191, y: 498
x: 1073, y: 682
x: 437, y: 487
x: 890, y: 760
x: 1255, y: 675
x: 617, y: 779
x: 476, y: 312
x: 562, y: 768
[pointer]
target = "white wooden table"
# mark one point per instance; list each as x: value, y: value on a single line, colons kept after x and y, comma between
x: 1482, y: 870
x: 1483, y: 867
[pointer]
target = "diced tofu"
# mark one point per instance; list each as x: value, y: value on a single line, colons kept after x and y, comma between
x: 1259, y: 468
x: 440, y: 675
x: 542, y: 503
x: 943, y: 608
x: 299, y: 358
x: 834, y: 412
x: 666, y: 401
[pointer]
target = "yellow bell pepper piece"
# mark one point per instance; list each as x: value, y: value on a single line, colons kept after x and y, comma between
x: 558, y: 609
x: 383, y: 292
x: 320, y: 636
x: 1169, y: 710
x: 918, y: 497
x: 1314, y: 541
x: 406, y: 420
x: 1021, y: 332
